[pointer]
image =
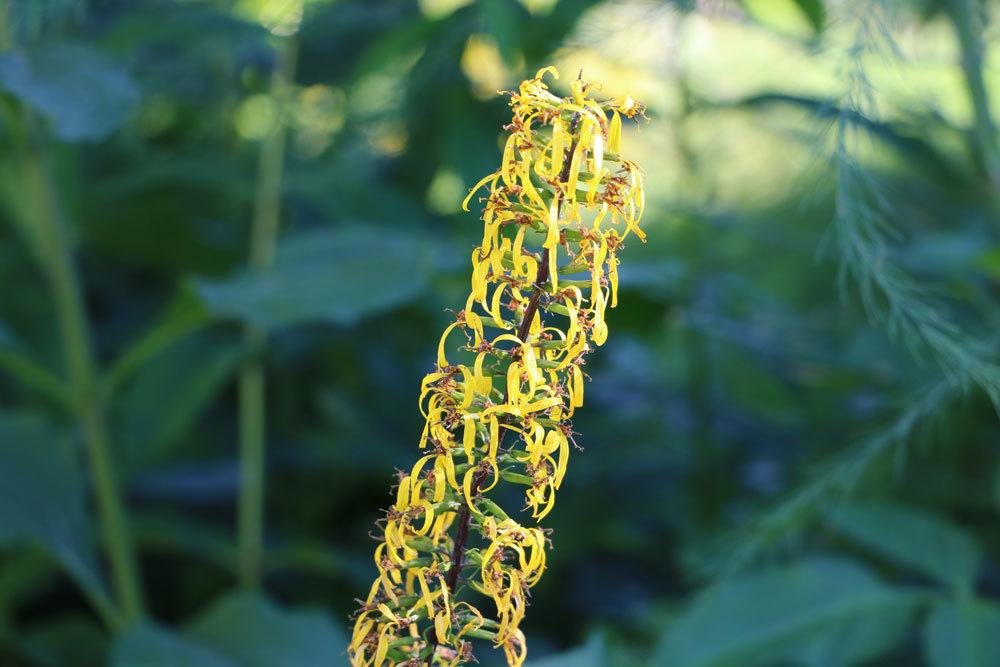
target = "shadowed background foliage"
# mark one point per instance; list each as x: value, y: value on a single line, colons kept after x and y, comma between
x: 790, y: 438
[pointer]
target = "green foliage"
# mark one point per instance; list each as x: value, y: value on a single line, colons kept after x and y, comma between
x: 962, y: 635
x: 42, y: 499
x: 914, y: 539
x: 337, y: 277
x: 149, y: 423
x: 789, y: 441
x: 81, y: 92
x: 239, y: 630
x: 799, y: 613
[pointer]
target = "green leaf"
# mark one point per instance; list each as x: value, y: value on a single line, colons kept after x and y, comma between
x: 963, y: 635
x: 150, y: 421
x: 779, y: 614
x: 152, y: 646
x: 334, y: 276
x: 26, y: 19
x: 82, y: 93
x: 856, y: 641
x: 42, y: 498
x: 591, y: 654
x: 913, y: 539
x: 240, y: 630
x: 257, y: 633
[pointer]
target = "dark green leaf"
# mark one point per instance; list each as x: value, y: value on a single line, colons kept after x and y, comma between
x: 239, y: 630
x: 84, y: 94
x: 963, y: 635
x: 856, y: 641
x: 42, y: 498
x: 151, y: 419
x: 914, y: 539
x: 777, y: 614
x: 335, y: 276
x: 256, y: 633
x: 151, y: 646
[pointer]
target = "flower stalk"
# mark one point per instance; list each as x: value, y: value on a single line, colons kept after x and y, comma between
x: 252, y: 385
x: 558, y: 212
x: 45, y: 225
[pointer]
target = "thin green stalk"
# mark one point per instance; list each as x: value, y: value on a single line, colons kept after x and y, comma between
x: 58, y: 265
x: 984, y: 131
x: 252, y: 386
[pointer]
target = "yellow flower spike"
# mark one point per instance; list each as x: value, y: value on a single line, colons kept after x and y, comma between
x: 560, y: 169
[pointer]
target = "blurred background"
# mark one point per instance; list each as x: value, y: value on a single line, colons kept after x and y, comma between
x: 218, y: 211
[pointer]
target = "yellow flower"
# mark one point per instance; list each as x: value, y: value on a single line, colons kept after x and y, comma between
x: 558, y: 211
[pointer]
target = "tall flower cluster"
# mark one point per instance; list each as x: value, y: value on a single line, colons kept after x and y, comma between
x: 508, y: 378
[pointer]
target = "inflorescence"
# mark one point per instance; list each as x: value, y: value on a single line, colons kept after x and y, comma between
x: 498, y: 405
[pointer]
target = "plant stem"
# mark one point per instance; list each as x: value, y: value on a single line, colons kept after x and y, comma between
x: 67, y: 293
x: 252, y: 403
x: 465, y: 514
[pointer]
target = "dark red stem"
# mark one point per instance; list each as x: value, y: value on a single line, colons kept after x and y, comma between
x: 465, y: 514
